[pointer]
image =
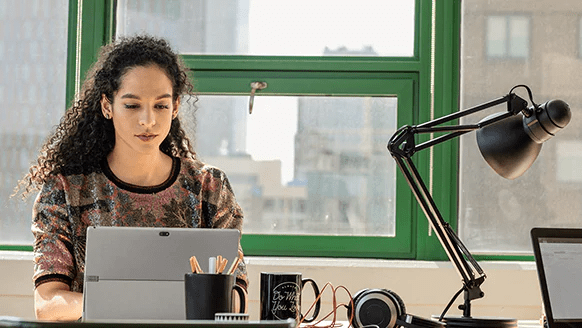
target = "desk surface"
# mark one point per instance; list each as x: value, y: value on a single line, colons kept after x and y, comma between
x: 529, y: 324
x: 16, y: 322
x: 22, y: 323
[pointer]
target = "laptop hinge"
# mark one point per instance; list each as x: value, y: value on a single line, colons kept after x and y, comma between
x: 92, y: 278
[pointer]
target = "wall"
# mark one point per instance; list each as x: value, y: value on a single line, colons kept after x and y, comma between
x: 16, y: 284
x: 511, y: 289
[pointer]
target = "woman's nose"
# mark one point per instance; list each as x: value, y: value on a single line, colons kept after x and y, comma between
x: 148, y: 118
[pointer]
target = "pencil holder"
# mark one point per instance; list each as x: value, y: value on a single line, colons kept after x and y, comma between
x: 208, y: 294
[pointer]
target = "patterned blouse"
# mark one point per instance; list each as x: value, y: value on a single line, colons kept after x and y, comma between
x: 195, y: 195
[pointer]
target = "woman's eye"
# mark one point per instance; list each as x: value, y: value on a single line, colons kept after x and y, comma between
x: 161, y: 106
x: 131, y: 106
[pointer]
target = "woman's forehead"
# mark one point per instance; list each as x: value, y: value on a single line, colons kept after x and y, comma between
x: 148, y: 80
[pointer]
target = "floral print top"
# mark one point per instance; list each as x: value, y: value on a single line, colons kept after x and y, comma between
x: 195, y: 195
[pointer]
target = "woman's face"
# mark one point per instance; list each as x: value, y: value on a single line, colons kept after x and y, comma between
x: 142, y: 110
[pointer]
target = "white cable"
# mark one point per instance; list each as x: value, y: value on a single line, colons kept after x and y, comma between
x: 432, y: 73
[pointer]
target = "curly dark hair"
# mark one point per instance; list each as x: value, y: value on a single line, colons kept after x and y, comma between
x: 84, y: 137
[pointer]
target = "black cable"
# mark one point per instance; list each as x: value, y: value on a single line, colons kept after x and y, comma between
x: 528, y: 92
x: 451, y: 303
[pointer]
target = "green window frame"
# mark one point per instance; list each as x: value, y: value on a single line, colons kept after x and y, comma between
x: 288, y: 83
x: 426, y: 85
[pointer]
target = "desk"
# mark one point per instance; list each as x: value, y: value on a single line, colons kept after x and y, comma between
x: 21, y: 323
x: 16, y: 322
x: 528, y: 324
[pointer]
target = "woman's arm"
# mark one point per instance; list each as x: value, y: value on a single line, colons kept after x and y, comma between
x: 54, y: 301
x: 228, y: 214
x: 54, y: 263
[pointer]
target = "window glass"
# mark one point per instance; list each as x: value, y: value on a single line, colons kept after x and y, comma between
x: 518, y: 37
x: 265, y: 27
x: 303, y: 165
x: 507, y: 36
x: 495, y: 214
x: 570, y: 154
x: 496, y: 36
x: 32, y: 86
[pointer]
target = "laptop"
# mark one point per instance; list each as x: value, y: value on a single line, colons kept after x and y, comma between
x: 137, y: 273
x: 558, y: 255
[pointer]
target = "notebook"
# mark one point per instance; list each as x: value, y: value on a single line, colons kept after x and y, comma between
x: 558, y: 255
x: 138, y: 273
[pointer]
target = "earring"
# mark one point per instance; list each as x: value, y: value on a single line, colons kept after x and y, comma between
x: 107, y: 116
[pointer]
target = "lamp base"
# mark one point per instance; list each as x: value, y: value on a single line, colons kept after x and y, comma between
x: 482, y: 322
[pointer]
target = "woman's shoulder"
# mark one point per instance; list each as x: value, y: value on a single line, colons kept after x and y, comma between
x: 71, y: 186
x: 66, y: 177
x: 196, y: 168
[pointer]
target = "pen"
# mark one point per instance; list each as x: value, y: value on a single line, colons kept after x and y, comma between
x: 212, y: 265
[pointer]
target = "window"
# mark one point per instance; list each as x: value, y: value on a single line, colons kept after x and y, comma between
x: 507, y: 36
x: 495, y: 215
x: 340, y: 195
x: 263, y: 27
x: 323, y: 146
x: 33, y: 49
x: 570, y: 154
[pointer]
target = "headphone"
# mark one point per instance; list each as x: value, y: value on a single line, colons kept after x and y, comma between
x: 384, y: 309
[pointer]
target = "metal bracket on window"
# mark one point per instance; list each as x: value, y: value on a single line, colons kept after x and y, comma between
x: 255, y: 86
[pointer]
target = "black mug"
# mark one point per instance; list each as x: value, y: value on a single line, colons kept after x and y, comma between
x: 208, y: 294
x: 281, y: 296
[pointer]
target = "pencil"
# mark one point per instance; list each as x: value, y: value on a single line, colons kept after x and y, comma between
x: 192, y: 264
x: 222, y: 265
x: 195, y: 265
x: 218, y: 263
x: 235, y: 263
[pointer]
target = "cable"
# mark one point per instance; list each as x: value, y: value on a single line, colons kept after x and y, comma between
x: 528, y: 92
x: 451, y: 303
x: 333, y: 312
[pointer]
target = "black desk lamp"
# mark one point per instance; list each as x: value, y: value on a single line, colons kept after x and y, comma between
x: 509, y: 142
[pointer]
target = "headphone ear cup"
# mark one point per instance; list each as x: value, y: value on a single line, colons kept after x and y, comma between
x: 376, y: 307
x: 401, y: 306
x: 359, y: 294
x: 355, y: 300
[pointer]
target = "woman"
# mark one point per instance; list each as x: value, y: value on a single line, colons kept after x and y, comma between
x: 119, y: 158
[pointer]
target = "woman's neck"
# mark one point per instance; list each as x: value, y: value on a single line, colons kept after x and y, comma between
x: 140, y: 170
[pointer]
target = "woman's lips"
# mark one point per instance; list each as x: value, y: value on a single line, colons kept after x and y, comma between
x: 146, y: 137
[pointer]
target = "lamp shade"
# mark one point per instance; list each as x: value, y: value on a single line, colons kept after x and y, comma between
x: 511, y: 145
x: 507, y: 147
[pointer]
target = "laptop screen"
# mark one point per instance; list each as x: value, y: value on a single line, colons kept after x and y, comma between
x: 562, y: 262
x: 138, y: 273
x: 558, y: 255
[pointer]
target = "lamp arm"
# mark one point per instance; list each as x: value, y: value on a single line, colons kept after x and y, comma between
x: 466, y: 266
x: 402, y: 147
x: 405, y: 135
x: 469, y: 111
